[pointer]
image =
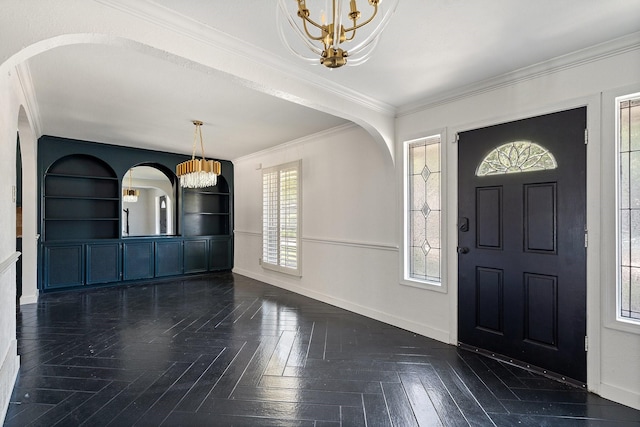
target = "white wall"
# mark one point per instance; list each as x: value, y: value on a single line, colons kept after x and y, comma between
x: 9, y: 361
x: 349, y: 230
x: 352, y: 212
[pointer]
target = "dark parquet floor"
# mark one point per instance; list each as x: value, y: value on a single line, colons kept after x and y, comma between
x: 226, y: 350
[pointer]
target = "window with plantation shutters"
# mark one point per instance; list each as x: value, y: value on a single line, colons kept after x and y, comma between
x: 281, y: 218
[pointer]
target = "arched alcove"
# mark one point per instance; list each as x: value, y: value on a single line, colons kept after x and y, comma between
x: 81, y: 200
x: 153, y: 212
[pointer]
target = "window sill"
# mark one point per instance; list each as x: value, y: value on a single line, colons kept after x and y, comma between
x: 623, y: 326
x: 283, y: 270
x: 427, y: 286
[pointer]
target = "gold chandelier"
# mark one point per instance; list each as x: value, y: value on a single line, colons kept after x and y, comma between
x: 130, y: 195
x: 324, y: 30
x: 198, y: 173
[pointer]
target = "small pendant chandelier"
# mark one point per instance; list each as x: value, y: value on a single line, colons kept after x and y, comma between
x: 198, y: 173
x: 324, y: 29
x: 129, y: 194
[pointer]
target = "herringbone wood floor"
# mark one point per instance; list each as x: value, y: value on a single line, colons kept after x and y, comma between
x: 227, y: 350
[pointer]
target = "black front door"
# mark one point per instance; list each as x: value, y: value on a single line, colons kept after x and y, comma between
x: 521, y: 241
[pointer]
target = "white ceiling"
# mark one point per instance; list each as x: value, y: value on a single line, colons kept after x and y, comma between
x: 431, y: 48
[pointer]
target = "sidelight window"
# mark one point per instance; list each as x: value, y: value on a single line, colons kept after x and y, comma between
x: 628, y: 203
x: 281, y: 210
x: 423, y: 246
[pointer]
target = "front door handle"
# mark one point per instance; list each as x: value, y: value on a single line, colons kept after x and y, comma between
x: 463, y: 250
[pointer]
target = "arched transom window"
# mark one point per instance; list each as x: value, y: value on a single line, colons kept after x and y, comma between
x: 516, y: 157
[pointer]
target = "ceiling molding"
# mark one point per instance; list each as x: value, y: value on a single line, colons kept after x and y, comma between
x: 308, y: 138
x: 32, y: 109
x: 575, y: 59
x: 169, y: 19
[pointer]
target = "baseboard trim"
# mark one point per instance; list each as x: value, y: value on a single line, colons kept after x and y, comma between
x: 8, y: 376
x: 620, y: 395
x: 29, y: 299
x: 406, y: 324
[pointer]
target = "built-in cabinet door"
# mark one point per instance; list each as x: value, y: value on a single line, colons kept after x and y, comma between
x: 196, y: 256
x: 103, y: 263
x: 64, y: 266
x: 138, y: 260
x: 220, y: 254
x: 168, y: 258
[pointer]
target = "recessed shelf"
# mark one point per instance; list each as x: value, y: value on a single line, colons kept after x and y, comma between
x: 71, y: 176
x: 207, y: 211
x: 79, y: 206
x: 82, y: 219
x: 82, y: 198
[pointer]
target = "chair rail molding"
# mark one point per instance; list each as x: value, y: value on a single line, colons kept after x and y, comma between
x: 4, y: 266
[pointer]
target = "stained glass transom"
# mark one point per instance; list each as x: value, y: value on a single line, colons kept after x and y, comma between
x: 629, y: 208
x: 516, y: 157
x: 423, y: 184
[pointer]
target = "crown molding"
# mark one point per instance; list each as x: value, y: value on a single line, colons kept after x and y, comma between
x: 169, y: 19
x: 307, y: 138
x: 33, y: 111
x: 578, y: 58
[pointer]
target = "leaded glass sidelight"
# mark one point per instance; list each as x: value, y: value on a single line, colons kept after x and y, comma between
x: 628, y: 135
x: 516, y: 157
x: 423, y: 248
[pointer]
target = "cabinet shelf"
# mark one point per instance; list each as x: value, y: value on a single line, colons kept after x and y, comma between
x: 212, y: 193
x: 71, y: 176
x: 82, y: 219
x: 83, y: 198
x: 207, y: 213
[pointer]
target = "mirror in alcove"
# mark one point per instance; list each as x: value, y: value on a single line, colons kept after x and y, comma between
x: 153, y: 213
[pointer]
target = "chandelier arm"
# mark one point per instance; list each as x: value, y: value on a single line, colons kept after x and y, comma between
x: 303, y: 13
x: 375, y: 34
x: 352, y: 31
x: 312, y: 22
x: 306, y: 30
x: 362, y: 24
x: 313, y: 48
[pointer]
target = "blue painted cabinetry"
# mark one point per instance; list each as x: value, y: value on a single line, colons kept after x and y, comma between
x: 81, y: 219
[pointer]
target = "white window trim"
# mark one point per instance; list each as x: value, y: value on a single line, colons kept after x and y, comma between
x: 610, y: 217
x: 619, y: 318
x: 405, y: 279
x: 274, y: 267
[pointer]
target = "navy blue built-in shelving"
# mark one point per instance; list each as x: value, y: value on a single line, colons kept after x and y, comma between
x: 80, y: 219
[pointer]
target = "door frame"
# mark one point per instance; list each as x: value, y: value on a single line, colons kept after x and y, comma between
x: 593, y: 177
